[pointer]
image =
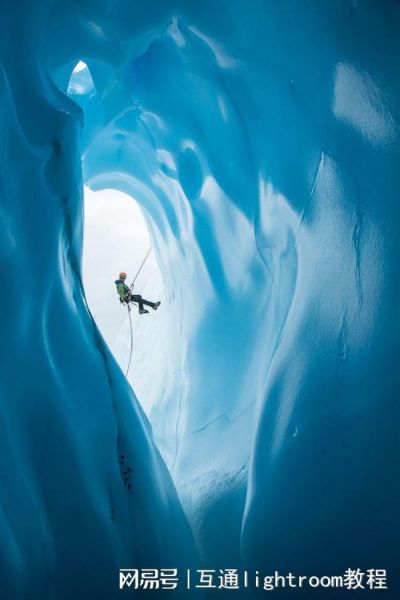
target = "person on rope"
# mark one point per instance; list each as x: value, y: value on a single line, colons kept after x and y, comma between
x: 125, y: 295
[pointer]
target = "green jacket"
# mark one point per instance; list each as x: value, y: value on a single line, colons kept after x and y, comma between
x: 122, y: 289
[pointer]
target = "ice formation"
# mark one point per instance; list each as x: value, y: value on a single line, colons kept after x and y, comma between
x: 261, y: 140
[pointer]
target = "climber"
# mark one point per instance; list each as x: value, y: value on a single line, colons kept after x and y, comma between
x: 125, y: 295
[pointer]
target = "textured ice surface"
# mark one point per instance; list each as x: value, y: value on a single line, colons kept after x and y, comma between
x: 261, y: 139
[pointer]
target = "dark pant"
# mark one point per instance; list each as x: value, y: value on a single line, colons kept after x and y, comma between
x: 141, y: 301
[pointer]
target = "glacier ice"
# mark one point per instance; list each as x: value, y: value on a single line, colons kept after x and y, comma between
x: 261, y: 140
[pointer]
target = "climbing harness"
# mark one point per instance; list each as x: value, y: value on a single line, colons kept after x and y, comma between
x: 129, y: 308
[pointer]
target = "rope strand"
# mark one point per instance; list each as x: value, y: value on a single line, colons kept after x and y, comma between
x: 129, y: 309
x: 141, y: 267
x: 131, y: 330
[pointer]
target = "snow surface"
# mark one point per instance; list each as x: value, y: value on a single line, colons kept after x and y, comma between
x: 261, y: 140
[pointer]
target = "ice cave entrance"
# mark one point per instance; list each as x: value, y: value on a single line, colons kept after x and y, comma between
x: 116, y: 239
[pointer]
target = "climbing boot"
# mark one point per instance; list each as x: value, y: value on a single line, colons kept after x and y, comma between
x: 143, y: 311
x: 156, y: 305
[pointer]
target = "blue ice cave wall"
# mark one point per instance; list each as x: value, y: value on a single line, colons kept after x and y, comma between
x: 262, y: 141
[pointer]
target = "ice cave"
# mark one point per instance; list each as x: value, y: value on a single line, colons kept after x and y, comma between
x: 261, y: 141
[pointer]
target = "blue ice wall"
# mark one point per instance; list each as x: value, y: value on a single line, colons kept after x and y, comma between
x: 84, y: 491
x: 262, y: 142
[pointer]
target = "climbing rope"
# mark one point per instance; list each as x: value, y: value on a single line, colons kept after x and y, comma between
x: 141, y: 267
x: 131, y: 330
x: 129, y: 308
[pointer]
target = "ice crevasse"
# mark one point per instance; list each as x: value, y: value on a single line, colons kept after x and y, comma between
x: 261, y: 140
